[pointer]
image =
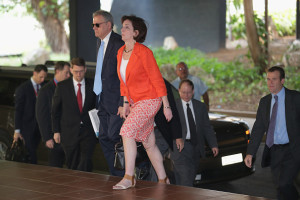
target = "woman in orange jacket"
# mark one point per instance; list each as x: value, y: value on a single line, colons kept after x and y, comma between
x: 144, y: 91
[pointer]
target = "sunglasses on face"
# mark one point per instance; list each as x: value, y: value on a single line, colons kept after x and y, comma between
x: 98, y: 24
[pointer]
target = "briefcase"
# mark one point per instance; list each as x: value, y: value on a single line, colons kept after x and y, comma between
x: 17, y: 152
x: 119, y: 162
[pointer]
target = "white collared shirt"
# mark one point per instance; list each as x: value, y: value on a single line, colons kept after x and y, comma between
x: 280, y: 134
x: 106, y: 40
x: 34, y: 84
x: 82, y: 89
x: 188, y: 134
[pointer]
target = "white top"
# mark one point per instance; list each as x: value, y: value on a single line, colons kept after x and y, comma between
x: 188, y: 134
x: 123, y: 69
x: 82, y: 87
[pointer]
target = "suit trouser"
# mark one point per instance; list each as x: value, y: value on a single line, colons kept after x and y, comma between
x: 109, y: 135
x: 79, y: 156
x: 185, y: 165
x: 284, y: 170
x: 56, y: 156
x: 31, y: 143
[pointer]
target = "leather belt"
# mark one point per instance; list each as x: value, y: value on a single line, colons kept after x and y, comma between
x: 280, y: 145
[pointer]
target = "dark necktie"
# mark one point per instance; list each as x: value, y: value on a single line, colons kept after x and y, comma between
x: 192, y: 124
x: 36, y: 90
x: 272, y: 124
x: 79, y: 97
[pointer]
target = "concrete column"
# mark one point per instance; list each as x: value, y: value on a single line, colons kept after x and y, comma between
x: 82, y: 38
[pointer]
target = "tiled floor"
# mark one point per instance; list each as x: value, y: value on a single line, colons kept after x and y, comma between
x: 36, y: 182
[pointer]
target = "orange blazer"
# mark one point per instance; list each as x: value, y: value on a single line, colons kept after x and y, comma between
x: 143, y: 78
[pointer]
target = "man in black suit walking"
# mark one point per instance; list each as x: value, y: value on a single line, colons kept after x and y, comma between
x: 278, y: 116
x: 196, y: 129
x: 72, y: 100
x: 107, y: 86
x: 26, y: 127
x: 56, y: 154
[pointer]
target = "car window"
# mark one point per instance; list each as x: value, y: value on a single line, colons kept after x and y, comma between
x: 7, y: 89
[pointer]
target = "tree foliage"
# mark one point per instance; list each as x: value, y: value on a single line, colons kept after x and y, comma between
x: 52, y: 15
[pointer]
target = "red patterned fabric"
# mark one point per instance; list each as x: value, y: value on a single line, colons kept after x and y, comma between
x: 140, y: 121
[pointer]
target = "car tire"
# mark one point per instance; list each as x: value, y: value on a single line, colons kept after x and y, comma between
x: 4, y: 144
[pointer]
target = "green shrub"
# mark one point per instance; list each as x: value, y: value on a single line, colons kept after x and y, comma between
x: 285, y: 22
x: 238, y: 26
x: 228, y: 81
x: 232, y: 74
x: 292, y: 80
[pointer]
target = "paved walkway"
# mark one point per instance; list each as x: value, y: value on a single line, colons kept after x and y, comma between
x: 37, y: 182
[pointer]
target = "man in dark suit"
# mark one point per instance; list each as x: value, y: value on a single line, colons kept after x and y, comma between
x: 165, y: 132
x: 182, y: 72
x: 72, y: 100
x: 195, y: 129
x: 26, y: 127
x: 278, y: 116
x: 170, y: 130
x: 56, y: 154
x: 107, y: 86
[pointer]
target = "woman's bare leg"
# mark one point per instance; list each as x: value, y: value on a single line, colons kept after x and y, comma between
x: 130, y: 156
x: 155, y: 156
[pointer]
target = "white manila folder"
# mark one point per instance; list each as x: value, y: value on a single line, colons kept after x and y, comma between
x: 95, y: 121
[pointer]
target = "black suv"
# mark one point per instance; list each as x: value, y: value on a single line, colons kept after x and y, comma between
x: 232, y: 134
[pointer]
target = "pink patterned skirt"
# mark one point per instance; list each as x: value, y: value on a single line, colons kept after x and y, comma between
x: 140, y: 121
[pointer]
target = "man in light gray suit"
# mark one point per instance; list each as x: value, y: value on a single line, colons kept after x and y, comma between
x: 195, y: 129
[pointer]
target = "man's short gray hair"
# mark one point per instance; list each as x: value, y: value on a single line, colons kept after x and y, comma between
x: 107, y: 16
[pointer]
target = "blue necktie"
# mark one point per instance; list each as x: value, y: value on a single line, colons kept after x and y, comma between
x: 271, y: 130
x: 98, y: 82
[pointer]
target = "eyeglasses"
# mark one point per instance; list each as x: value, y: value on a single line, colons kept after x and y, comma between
x: 181, y: 69
x: 98, y: 24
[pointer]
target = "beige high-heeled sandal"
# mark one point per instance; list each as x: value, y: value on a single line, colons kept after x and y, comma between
x: 165, y: 180
x: 123, y: 187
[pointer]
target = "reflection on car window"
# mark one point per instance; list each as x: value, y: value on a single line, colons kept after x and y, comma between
x: 7, y: 90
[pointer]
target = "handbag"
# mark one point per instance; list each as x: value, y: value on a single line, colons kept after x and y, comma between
x: 119, y: 156
x: 17, y: 152
x: 119, y: 162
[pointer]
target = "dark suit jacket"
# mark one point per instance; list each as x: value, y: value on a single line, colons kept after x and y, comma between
x: 25, y: 100
x: 203, y: 127
x: 43, y: 110
x: 66, y: 117
x: 260, y: 127
x: 170, y: 130
x: 110, y: 95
